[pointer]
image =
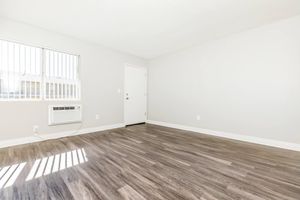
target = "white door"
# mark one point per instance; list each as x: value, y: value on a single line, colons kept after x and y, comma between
x: 135, y: 95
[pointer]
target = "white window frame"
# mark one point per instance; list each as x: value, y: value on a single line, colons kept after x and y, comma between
x: 43, y: 77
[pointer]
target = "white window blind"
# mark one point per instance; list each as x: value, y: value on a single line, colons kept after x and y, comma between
x: 32, y: 73
x: 61, y: 76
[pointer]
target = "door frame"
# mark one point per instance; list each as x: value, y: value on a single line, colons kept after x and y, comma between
x: 124, y: 90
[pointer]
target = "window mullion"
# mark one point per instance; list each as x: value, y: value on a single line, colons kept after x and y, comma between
x: 43, y: 82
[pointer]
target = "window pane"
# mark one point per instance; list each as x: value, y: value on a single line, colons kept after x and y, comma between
x: 60, y: 74
x: 20, y: 71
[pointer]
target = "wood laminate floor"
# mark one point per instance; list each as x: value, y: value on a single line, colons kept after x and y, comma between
x: 148, y: 162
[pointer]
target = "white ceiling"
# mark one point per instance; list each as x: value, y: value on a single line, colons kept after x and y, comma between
x: 148, y: 28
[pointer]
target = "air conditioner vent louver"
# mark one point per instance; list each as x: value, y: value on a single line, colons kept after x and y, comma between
x: 64, y: 114
x: 64, y: 108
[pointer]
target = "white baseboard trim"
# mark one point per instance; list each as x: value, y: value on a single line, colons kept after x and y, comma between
x: 31, y: 139
x: 251, y: 139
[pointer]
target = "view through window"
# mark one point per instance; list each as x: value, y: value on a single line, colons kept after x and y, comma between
x: 32, y: 73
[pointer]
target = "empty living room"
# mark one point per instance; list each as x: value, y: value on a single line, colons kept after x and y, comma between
x: 149, y: 100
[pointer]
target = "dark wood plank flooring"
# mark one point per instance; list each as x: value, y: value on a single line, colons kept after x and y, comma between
x: 148, y: 162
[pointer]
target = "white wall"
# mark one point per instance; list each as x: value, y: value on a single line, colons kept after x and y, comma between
x: 247, y: 83
x: 102, y: 74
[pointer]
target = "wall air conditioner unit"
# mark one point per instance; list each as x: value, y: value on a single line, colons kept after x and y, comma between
x: 64, y: 114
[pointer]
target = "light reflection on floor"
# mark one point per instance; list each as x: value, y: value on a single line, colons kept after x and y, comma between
x: 9, y: 174
x: 42, y: 167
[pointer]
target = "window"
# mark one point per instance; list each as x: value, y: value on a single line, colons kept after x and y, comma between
x: 31, y: 73
x: 20, y: 71
x: 61, y: 81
